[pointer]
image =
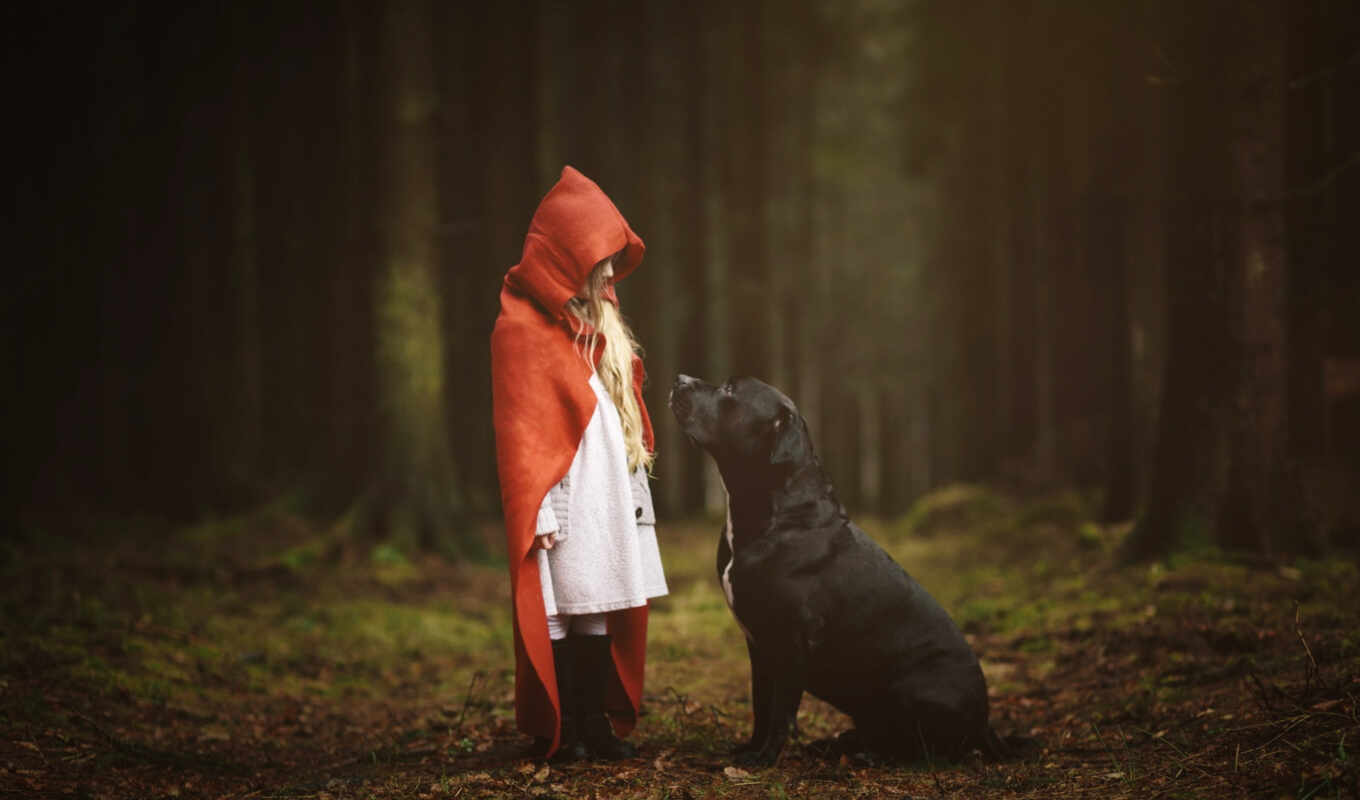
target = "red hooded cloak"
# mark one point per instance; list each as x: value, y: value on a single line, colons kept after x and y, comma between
x: 542, y: 402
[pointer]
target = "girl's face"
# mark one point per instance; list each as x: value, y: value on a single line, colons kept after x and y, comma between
x: 599, y: 278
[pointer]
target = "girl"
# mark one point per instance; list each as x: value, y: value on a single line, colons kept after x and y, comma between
x: 573, y: 448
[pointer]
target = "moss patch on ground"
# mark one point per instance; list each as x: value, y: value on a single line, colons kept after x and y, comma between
x: 263, y: 657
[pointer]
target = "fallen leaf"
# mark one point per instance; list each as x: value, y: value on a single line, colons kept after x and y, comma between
x: 214, y: 733
x: 542, y: 774
x: 662, y: 761
x: 736, y: 773
x: 1326, y: 704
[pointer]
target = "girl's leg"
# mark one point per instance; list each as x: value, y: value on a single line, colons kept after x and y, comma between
x: 571, y: 747
x: 586, y: 625
x: 594, y: 668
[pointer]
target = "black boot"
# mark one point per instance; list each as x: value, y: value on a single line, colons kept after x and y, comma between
x: 594, y: 666
x: 571, y: 747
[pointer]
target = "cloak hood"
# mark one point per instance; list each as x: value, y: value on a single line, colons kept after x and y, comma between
x: 575, y: 227
x: 541, y: 405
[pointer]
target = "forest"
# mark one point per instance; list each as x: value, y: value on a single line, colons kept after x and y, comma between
x: 1064, y: 290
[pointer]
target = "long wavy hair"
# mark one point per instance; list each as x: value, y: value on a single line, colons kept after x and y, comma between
x: 602, y: 318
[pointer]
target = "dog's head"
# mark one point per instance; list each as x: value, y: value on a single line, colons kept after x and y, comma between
x: 749, y: 427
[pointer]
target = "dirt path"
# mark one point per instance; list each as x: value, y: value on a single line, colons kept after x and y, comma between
x: 260, y: 658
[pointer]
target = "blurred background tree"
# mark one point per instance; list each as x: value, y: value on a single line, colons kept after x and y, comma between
x: 1040, y: 243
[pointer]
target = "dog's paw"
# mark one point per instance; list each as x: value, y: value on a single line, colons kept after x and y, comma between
x: 758, y: 757
x: 823, y: 748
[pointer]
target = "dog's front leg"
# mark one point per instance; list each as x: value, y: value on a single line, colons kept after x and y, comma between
x: 760, y: 703
x: 777, y: 691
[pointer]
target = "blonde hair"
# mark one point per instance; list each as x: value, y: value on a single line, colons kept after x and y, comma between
x: 616, y: 363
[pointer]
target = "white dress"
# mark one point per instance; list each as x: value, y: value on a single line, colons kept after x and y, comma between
x: 606, y: 556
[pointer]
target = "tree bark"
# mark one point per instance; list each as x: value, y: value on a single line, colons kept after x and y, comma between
x: 1189, y: 459
x: 350, y: 280
x: 416, y: 484
x: 1254, y: 511
x: 1120, y: 496
x: 719, y: 41
x: 744, y: 182
x: 243, y: 282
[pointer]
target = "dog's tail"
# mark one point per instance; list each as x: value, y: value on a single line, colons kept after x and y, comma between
x: 997, y: 748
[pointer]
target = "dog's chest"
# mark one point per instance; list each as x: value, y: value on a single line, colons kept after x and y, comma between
x: 726, y: 555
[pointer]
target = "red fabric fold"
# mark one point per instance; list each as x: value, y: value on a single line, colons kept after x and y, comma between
x: 542, y: 402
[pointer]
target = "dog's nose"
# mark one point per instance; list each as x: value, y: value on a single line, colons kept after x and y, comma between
x: 679, y: 394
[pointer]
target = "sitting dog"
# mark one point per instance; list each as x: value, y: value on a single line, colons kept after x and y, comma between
x: 825, y: 609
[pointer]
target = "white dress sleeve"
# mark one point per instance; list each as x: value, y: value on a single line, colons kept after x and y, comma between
x: 547, y: 515
x: 547, y: 520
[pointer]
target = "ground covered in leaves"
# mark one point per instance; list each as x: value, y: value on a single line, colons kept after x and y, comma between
x: 261, y: 657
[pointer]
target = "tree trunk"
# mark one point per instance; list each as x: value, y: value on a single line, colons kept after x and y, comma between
x: 692, y: 217
x: 1316, y: 28
x: 666, y: 235
x: 719, y: 42
x: 1045, y: 462
x: 744, y: 188
x: 350, y: 279
x: 243, y: 382
x: 1189, y: 459
x: 1254, y: 510
x: 416, y: 488
x: 1120, y: 496
x: 1111, y: 143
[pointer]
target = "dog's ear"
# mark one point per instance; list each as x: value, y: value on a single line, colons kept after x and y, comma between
x: 787, y: 446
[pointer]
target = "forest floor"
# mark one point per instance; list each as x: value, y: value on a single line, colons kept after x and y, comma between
x: 262, y: 658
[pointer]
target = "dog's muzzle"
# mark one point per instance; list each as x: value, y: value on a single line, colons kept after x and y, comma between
x: 679, y: 399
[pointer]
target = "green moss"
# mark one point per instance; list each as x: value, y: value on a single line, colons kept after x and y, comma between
x: 960, y: 506
x: 1065, y: 509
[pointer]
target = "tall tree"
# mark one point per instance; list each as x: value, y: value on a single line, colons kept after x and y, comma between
x: 1111, y: 145
x: 415, y: 482
x: 351, y: 254
x: 243, y: 383
x: 1255, y: 511
x: 1189, y: 458
x: 717, y: 42
x: 673, y: 210
x: 744, y: 179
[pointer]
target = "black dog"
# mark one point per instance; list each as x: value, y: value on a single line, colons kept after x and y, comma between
x: 824, y: 608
